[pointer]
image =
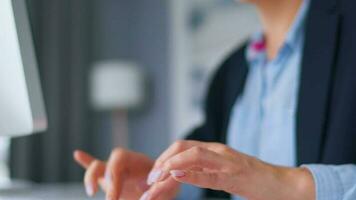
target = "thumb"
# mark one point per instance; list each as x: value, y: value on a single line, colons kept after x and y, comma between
x: 211, y: 180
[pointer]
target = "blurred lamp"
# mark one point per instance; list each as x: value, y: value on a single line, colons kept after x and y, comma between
x: 116, y: 85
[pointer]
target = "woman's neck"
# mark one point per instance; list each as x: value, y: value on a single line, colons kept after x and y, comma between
x: 277, y: 17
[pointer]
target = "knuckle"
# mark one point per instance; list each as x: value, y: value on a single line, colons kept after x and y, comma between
x: 223, y: 149
x: 197, y: 151
x: 97, y: 163
x: 178, y: 145
x: 118, y: 152
x: 220, y: 148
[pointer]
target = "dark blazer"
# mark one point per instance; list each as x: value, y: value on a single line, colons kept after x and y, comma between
x: 326, y: 113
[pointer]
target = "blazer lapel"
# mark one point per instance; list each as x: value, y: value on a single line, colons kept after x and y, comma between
x: 316, y: 81
x: 235, y: 83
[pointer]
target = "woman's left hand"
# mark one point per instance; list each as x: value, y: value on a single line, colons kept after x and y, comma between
x: 218, y: 167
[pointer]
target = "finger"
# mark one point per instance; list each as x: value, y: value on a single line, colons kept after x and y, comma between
x: 211, y: 180
x: 114, y: 174
x: 82, y: 158
x: 181, y: 146
x: 156, y: 173
x: 194, y: 157
x: 174, y: 149
x: 94, y: 172
x: 162, y: 190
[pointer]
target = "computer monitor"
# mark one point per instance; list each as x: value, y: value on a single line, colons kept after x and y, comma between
x: 22, y: 109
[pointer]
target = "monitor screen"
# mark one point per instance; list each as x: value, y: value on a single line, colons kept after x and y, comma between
x: 22, y: 109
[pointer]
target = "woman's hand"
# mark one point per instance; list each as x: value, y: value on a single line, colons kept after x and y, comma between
x: 216, y: 166
x: 123, y: 176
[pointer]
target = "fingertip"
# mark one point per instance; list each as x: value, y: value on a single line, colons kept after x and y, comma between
x: 83, y: 158
x: 80, y: 155
x: 76, y: 154
x: 154, y: 176
x: 90, y: 190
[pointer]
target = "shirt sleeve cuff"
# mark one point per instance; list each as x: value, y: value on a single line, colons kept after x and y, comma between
x: 328, y: 183
x: 190, y: 192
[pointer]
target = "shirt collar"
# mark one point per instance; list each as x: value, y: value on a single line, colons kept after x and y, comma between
x: 256, y: 47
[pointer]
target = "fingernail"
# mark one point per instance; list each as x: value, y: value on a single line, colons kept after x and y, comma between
x: 108, y: 177
x: 144, y: 196
x: 154, y: 176
x: 178, y: 173
x: 89, y: 190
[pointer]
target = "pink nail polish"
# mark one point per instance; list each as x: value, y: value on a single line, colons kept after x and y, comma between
x: 89, y: 190
x: 108, y: 177
x: 154, y: 176
x: 178, y: 173
x: 145, y: 196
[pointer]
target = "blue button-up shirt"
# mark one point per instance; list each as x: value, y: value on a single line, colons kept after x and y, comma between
x: 263, y: 121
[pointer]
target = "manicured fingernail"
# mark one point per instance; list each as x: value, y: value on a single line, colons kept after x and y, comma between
x: 178, y: 173
x: 154, y: 176
x: 89, y: 189
x: 145, y: 196
x: 108, y: 177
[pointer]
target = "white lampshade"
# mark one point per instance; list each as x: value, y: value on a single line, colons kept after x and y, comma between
x: 116, y: 85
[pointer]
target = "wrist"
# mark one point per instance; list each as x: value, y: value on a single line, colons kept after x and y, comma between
x: 300, y: 183
x: 269, y: 182
x: 307, y: 184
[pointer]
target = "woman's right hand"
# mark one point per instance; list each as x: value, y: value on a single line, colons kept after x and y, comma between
x: 123, y: 176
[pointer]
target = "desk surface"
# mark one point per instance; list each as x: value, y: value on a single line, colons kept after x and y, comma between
x: 47, y: 192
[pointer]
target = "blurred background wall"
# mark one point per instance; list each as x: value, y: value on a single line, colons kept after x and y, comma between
x: 63, y: 33
x: 177, y: 44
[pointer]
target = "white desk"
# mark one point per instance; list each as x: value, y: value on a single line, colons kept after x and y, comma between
x: 47, y: 192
